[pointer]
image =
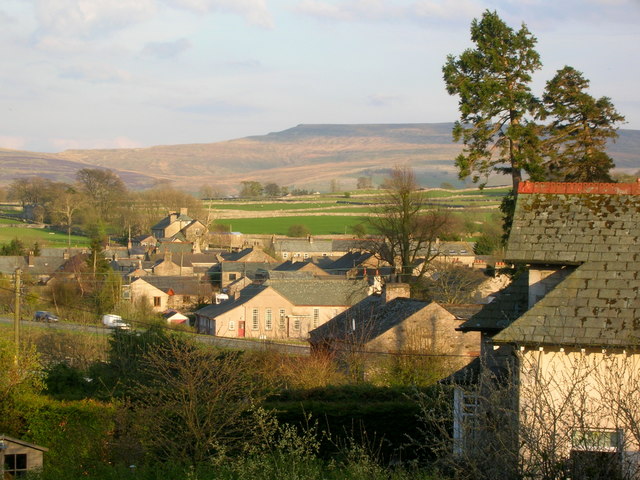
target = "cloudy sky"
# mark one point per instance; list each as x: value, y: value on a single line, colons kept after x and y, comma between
x: 136, y: 73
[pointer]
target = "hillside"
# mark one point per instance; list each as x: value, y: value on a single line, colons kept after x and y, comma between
x: 308, y: 156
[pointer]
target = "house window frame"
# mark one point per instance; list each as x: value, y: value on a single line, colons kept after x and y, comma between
x: 282, y: 319
x: 157, y: 301
x: 255, y: 319
x: 233, y: 277
x: 316, y: 317
x: 268, y: 319
x: 296, y: 323
x: 232, y: 324
x: 18, y: 469
x: 285, y: 255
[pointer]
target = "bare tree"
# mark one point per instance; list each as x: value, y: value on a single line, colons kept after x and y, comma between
x: 405, y: 232
x: 194, y: 401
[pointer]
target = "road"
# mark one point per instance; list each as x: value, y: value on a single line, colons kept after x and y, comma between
x: 221, y: 342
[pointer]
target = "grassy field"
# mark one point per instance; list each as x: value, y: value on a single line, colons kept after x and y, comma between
x: 317, y: 225
x: 45, y: 238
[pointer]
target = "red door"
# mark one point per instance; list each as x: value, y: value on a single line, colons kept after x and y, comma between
x: 241, y: 328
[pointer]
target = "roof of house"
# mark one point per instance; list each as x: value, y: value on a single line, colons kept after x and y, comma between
x: 249, y: 255
x: 313, y: 245
x: 564, y: 223
x: 508, y: 304
x: 320, y: 292
x: 290, y: 266
x: 367, y: 320
x: 179, y: 285
x: 596, y: 305
x: 596, y: 227
x: 166, y: 221
x: 246, y: 268
x: 246, y: 294
x: 6, y: 438
x: 348, y: 261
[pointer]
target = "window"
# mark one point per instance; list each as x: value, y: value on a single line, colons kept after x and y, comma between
x: 232, y: 325
x: 156, y: 301
x: 306, y: 255
x: 282, y: 320
x: 233, y: 276
x: 15, y: 465
x: 255, y: 319
x: 465, y: 416
x: 296, y: 323
x: 268, y: 320
x: 316, y: 317
x: 285, y: 255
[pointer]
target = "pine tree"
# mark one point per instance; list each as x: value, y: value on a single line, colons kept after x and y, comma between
x: 492, y: 81
x: 580, y: 126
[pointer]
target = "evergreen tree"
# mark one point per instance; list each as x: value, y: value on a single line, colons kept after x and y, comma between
x: 492, y: 81
x: 580, y: 126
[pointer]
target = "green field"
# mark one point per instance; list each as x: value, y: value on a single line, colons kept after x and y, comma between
x: 45, y: 238
x: 317, y: 225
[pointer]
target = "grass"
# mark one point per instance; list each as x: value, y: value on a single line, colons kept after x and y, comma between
x: 45, y: 238
x: 317, y: 225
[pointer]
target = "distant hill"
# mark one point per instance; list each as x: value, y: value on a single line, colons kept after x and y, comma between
x: 307, y: 156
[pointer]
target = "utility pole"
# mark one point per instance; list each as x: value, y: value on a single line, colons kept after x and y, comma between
x: 16, y: 311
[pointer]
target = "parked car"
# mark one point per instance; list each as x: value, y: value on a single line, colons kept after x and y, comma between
x: 42, y: 316
x: 115, y: 321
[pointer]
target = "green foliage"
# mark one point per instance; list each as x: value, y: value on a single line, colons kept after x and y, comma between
x: 492, y: 83
x: 298, y: 230
x: 76, y: 433
x: 13, y: 248
x: 251, y: 188
x: 577, y: 135
x: 67, y: 383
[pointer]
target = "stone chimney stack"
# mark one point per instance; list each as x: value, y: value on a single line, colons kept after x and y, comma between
x: 183, y: 210
x: 396, y: 290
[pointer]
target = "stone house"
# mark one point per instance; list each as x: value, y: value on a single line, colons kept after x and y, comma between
x: 166, y: 292
x: 562, y: 341
x: 394, y: 323
x: 280, y: 308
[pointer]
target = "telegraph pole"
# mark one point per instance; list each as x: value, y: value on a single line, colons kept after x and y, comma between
x: 16, y: 311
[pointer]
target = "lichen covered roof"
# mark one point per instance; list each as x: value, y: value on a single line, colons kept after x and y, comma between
x: 596, y: 305
x: 580, y: 225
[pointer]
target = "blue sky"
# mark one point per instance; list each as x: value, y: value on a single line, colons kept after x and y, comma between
x: 137, y: 73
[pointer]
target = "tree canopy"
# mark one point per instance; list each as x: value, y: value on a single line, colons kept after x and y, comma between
x: 492, y: 83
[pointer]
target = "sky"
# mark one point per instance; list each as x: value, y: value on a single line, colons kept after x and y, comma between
x: 138, y: 73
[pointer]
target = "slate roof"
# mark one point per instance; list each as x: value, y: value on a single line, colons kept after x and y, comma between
x: 348, y: 261
x: 320, y: 292
x: 596, y: 305
x: 573, y: 228
x: 304, y: 245
x: 508, y: 304
x: 247, y: 293
x: 179, y: 284
x: 166, y: 221
x: 596, y: 227
x: 367, y: 320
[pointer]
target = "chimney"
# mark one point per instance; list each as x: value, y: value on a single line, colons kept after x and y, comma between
x: 183, y: 210
x: 167, y: 255
x: 173, y: 216
x: 396, y: 290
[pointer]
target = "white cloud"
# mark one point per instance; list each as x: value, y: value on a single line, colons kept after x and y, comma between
x: 253, y: 11
x: 95, y: 73
x: 166, y: 49
x: 85, y: 18
x: 12, y: 143
x: 381, y: 100
x: 388, y: 10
